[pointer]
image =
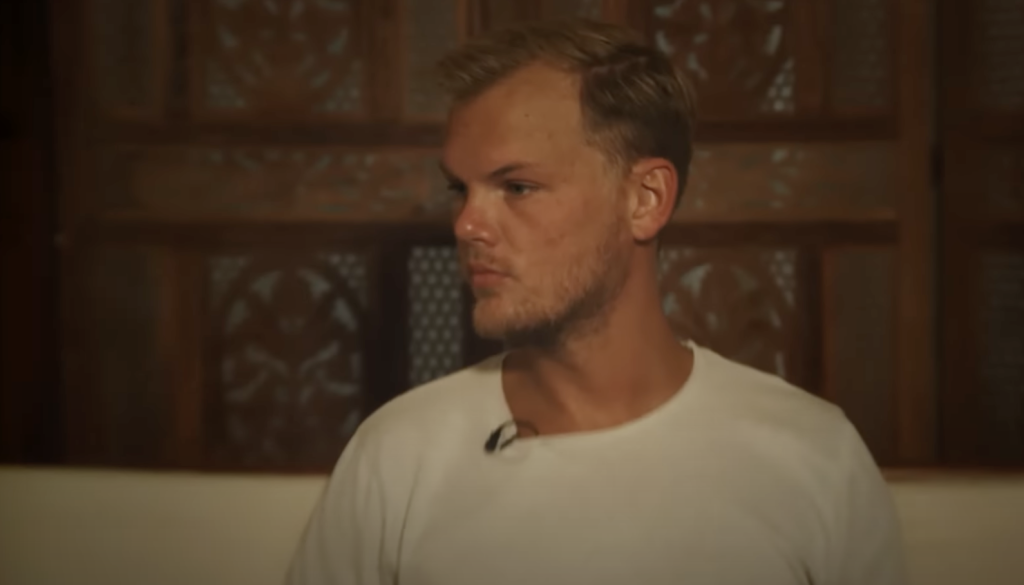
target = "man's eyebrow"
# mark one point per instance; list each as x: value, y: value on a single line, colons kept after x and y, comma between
x: 493, y: 175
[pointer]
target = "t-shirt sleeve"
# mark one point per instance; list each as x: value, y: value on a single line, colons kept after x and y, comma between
x: 344, y: 541
x: 868, y: 547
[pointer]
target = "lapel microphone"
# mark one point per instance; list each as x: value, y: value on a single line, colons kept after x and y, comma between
x: 494, y: 440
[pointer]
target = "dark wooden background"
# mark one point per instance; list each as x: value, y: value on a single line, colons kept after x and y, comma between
x: 226, y: 240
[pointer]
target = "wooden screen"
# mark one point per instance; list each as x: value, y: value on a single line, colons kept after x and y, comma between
x: 982, y: 127
x: 255, y: 237
x: 803, y: 238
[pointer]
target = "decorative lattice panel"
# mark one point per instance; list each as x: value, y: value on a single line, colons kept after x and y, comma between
x: 120, y: 350
x: 739, y: 302
x: 778, y: 178
x: 277, y: 183
x: 287, y: 368
x: 431, y: 29
x: 999, y: 45
x: 736, y: 52
x: 859, y: 351
x: 127, y: 39
x: 292, y: 58
x: 435, y: 314
x: 1001, y: 354
x: 861, y: 67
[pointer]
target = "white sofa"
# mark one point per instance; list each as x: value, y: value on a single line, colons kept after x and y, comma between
x: 94, y: 527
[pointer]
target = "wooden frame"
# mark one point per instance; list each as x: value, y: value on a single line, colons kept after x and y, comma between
x: 915, y: 354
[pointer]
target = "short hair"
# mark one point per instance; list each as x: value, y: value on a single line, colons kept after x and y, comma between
x: 635, y: 102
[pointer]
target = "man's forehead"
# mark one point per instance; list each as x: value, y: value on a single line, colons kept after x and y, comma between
x: 510, y: 121
x: 539, y: 78
x: 535, y: 94
x: 483, y: 151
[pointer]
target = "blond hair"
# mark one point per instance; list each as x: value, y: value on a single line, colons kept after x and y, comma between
x: 635, y: 103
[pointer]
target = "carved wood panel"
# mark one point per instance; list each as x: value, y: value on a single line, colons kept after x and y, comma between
x: 738, y: 53
x: 742, y: 303
x: 288, y: 358
x: 765, y: 59
x: 291, y: 59
x: 278, y: 183
x: 781, y: 179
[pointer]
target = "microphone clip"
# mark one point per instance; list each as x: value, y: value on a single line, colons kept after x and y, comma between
x: 494, y: 441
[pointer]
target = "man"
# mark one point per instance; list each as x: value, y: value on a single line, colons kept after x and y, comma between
x: 598, y: 449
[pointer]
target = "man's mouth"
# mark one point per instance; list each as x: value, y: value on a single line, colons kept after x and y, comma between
x: 484, y: 276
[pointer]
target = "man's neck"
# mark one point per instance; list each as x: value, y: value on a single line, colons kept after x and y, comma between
x: 609, y: 374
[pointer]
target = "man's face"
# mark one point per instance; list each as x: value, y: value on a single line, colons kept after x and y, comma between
x: 541, y: 221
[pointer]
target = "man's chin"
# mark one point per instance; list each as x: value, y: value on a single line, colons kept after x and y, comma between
x: 516, y: 334
x: 489, y: 327
x: 490, y: 321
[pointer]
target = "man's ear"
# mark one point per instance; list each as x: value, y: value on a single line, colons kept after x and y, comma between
x: 653, y: 186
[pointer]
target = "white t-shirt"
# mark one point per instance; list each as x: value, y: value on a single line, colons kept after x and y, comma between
x: 739, y: 478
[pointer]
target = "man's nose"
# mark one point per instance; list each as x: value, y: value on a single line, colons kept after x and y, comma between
x: 474, y: 221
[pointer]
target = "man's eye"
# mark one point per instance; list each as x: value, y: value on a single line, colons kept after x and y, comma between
x: 516, y: 188
x: 457, y: 189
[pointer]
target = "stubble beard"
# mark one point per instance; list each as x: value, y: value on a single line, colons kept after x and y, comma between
x: 577, y: 306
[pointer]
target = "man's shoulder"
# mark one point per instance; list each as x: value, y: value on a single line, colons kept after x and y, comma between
x: 782, y: 430
x: 763, y: 401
